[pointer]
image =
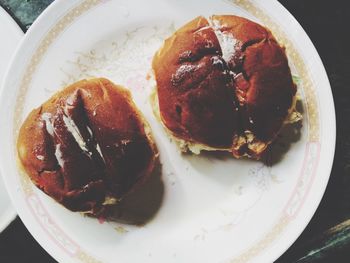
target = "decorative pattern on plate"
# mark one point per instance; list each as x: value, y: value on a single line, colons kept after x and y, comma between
x: 83, y: 257
x: 263, y: 243
x: 305, y: 180
x: 293, y: 206
x: 116, y: 62
x: 50, y: 226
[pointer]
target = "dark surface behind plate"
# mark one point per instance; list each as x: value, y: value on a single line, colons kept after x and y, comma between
x: 325, y: 239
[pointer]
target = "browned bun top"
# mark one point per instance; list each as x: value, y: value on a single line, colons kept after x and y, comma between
x: 86, y: 143
x: 222, y: 78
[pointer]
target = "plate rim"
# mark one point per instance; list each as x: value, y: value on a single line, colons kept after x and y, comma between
x: 53, y: 9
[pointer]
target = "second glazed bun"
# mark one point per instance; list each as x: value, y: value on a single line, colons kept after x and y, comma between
x: 224, y: 83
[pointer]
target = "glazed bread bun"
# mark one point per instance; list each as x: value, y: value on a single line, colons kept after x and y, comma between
x: 88, y: 146
x: 223, y: 83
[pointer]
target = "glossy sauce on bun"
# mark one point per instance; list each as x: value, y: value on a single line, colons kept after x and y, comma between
x: 223, y: 83
x: 87, y: 146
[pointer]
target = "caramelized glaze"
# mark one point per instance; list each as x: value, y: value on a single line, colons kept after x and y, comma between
x: 86, y: 144
x: 222, y: 79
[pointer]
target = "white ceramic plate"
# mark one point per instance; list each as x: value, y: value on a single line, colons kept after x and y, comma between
x: 11, y: 35
x: 212, y: 209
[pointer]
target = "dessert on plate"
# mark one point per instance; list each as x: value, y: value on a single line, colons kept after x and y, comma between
x: 224, y: 84
x: 87, y: 146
